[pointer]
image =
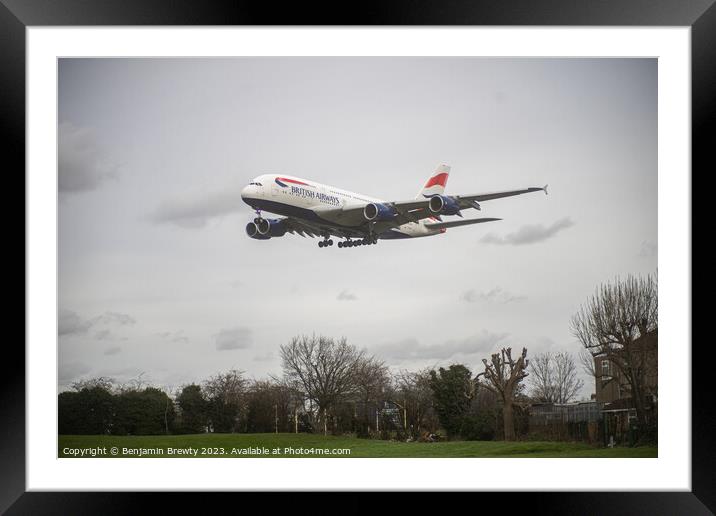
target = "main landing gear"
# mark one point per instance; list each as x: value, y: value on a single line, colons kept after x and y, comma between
x: 371, y: 240
x: 327, y: 243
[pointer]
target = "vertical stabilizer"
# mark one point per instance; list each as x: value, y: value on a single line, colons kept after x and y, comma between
x: 436, y: 183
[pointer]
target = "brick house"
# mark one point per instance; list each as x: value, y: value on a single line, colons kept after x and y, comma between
x: 613, y: 391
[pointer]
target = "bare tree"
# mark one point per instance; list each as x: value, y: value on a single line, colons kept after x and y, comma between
x: 614, y: 324
x: 322, y: 368
x: 226, y: 397
x: 503, y: 375
x: 412, y: 390
x: 372, y: 383
x: 102, y: 382
x: 554, y: 377
x: 586, y: 360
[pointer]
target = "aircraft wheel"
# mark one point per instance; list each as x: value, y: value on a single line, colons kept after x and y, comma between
x: 340, y: 244
x: 330, y: 242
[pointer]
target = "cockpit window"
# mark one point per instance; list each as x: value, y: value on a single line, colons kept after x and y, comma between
x: 255, y: 184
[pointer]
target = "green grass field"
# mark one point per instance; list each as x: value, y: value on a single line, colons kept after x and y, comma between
x: 277, y: 445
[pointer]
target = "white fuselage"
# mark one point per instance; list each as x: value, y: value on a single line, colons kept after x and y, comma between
x: 296, y: 197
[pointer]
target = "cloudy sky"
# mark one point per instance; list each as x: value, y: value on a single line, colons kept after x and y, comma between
x: 157, y: 277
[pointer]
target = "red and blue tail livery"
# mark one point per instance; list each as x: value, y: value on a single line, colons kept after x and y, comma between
x: 309, y: 208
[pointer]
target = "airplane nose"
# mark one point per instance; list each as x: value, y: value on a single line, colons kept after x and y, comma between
x: 245, y: 191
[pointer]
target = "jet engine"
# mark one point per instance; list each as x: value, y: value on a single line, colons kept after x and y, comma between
x: 252, y: 229
x: 377, y: 212
x: 266, y: 228
x: 444, y: 205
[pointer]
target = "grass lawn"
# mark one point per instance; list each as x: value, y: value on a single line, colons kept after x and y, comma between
x: 277, y: 445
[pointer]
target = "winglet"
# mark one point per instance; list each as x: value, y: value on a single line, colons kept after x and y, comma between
x: 545, y: 189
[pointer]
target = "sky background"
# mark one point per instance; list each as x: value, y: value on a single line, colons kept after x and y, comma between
x: 157, y: 277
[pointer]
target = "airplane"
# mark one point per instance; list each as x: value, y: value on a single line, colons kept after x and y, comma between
x: 318, y: 210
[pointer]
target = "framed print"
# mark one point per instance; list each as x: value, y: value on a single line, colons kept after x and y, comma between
x: 246, y: 269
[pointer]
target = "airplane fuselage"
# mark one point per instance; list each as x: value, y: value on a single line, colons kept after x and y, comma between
x: 305, y: 199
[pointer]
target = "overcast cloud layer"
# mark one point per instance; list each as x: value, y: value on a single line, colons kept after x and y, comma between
x: 157, y: 277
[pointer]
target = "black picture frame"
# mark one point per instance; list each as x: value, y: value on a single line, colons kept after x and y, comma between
x: 17, y: 15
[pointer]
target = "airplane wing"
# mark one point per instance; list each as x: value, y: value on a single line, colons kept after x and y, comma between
x: 417, y: 209
x: 456, y: 223
x: 411, y: 210
x: 470, y: 201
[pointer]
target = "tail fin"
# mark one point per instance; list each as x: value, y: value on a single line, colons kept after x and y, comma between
x: 436, y: 183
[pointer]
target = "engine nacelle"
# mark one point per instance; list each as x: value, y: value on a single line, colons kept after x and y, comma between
x: 443, y: 205
x: 267, y: 228
x: 277, y: 228
x: 252, y: 229
x: 378, y: 212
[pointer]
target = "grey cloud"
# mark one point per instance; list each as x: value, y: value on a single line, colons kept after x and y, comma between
x: 177, y: 336
x: 69, y: 322
x: 266, y: 357
x: 233, y: 338
x: 72, y: 371
x: 102, y: 335
x: 194, y: 211
x: 346, y: 296
x: 648, y: 249
x: 529, y: 234
x: 83, y: 165
x: 411, y: 348
x: 113, y: 350
x: 496, y: 295
x: 114, y: 318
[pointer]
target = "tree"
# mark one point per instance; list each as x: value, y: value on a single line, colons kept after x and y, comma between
x: 89, y: 410
x: 194, y: 409
x: 586, y: 360
x: 554, y: 378
x: 615, y: 323
x: 225, y: 395
x: 372, y: 384
x: 323, y: 369
x: 502, y: 376
x: 269, y: 407
x: 453, y: 391
x: 143, y: 412
x: 412, y: 390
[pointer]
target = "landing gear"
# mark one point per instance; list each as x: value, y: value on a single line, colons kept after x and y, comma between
x: 370, y: 240
x: 259, y: 219
x: 327, y: 243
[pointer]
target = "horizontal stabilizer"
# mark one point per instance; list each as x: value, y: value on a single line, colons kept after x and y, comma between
x: 456, y: 223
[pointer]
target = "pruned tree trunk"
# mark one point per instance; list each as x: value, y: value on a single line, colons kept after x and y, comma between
x: 503, y: 375
x: 508, y: 419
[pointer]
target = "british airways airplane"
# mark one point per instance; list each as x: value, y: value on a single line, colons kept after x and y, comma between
x: 318, y: 210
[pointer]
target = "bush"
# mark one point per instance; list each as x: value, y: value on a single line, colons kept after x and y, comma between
x: 477, y: 427
x: 89, y: 411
